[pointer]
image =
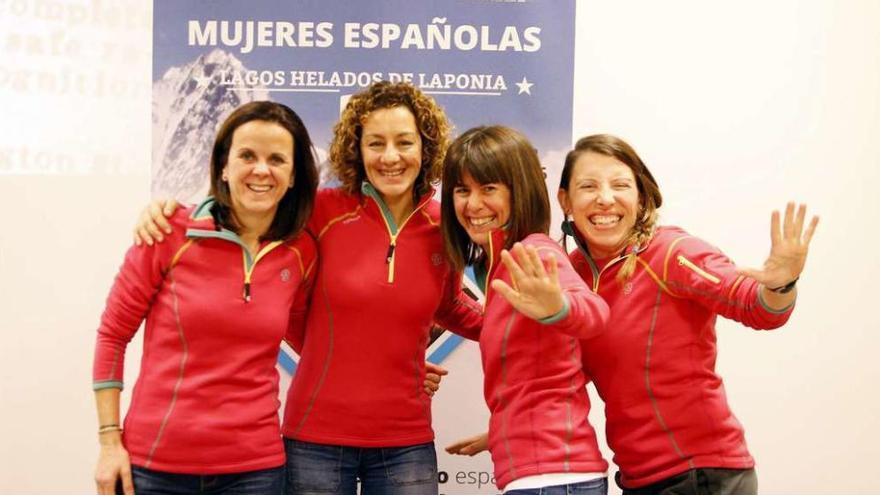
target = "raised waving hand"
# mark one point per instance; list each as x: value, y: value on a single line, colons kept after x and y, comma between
x: 536, y: 292
x: 789, y: 244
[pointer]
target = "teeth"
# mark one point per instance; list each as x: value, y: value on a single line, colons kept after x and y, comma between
x: 259, y: 188
x: 604, y: 219
x: 479, y: 222
x: 392, y: 173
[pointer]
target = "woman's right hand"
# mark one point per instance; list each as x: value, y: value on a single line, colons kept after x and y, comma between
x: 113, y: 464
x: 152, y: 221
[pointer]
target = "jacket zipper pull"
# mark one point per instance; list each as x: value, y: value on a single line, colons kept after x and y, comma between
x: 390, y: 253
x: 247, y: 292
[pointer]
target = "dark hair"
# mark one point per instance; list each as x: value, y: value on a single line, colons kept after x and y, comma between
x: 494, y: 154
x: 650, y: 198
x: 295, y: 206
x: 345, y: 150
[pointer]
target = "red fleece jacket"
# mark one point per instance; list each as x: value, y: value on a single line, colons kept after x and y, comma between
x: 665, y: 406
x: 378, y: 289
x: 206, y: 398
x: 534, y: 385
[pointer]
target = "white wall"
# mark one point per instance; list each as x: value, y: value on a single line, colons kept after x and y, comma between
x: 736, y: 107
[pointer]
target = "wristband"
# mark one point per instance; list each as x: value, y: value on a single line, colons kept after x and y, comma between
x: 785, y: 289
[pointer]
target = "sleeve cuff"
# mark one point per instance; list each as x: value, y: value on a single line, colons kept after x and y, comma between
x: 559, y: 315
x: 770, y: 310
x: 107, y: 384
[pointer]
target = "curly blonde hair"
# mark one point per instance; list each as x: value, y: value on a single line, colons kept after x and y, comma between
x: 345, y: 150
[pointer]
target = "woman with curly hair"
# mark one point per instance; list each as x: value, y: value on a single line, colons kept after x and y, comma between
x: 356, y: 409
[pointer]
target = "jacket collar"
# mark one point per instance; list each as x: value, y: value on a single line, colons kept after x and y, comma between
x: 368, y: 190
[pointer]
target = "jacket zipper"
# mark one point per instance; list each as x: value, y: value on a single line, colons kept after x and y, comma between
x: 249, y: 267
x: 682, y: 261
x: 390, y: 255
x: 491, y: 254
x: 598, y: 277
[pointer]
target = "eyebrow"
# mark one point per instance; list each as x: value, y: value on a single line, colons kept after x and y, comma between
x: 401, y: 134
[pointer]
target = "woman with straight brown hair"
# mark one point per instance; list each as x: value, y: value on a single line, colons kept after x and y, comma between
x: 216, y: 299
x: 495, y: 202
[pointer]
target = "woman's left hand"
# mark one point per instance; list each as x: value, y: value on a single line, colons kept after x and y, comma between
x: 788, y: 248
x: 536, y: 292
x: 433, y: 374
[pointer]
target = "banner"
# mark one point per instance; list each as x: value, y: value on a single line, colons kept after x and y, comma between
x: 507, y: 62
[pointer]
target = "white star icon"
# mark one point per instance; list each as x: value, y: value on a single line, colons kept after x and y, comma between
x: 525, y: 86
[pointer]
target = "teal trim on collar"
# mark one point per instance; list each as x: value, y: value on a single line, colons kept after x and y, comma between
x: 562, y: 313
x: 226, y: 235
x: 203, y: 209
x: 368, y: 190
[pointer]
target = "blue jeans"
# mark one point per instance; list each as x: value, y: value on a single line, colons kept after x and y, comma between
x: 597, y: 486
x: 335, y: 470
x: 261, y: 482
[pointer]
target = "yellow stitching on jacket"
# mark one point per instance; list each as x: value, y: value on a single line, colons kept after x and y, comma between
x: 668, y: 254
x: 302, y: 270
x: 179, y: 253
x: 696, y: 269
x: 735, y: 286
x: 428, y: 216
x: 179, y: 382
x: 660, y: 283
x: 344, y: 216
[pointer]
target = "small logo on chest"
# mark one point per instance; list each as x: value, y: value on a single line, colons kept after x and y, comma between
x: 436, y: 259
x: 285, y: 275
x: 627, y: 288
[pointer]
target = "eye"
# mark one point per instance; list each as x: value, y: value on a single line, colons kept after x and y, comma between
x: 586, y: 186
x: 246, y: 155
x: 374, y: 144
x: 621, y: 186
x: 278, y: 160
x: 460, y: 191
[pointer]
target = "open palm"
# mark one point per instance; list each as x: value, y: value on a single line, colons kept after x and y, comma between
x: 788, y: 249
x: 536, y: 292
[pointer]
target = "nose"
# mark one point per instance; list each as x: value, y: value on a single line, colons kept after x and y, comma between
x: 474, y: 202
x: 390, y: 155
x: 261, y: 168
x: 605, y: 196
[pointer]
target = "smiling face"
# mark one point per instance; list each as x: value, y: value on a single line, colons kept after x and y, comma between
x: 391, y: 148
x: 603, y: 201
x: 259, y: 169
x: 481, y: 208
